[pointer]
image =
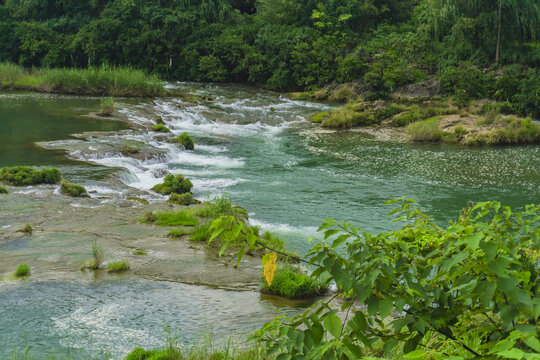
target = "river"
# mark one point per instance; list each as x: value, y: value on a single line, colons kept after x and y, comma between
x: 257, y: 147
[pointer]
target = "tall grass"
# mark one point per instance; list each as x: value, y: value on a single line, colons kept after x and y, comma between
x: 104, y: 80
x: 426, y: 130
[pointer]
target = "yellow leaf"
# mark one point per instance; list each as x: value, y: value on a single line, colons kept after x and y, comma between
x: 269, y: 262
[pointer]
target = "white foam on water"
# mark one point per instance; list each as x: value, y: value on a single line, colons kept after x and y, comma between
x: 202, y: 185
x: 285, y: 228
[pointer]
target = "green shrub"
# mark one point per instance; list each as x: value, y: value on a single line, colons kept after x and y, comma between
x: 292, y: 283
x: 73, y: 190
x: 107, y: 106
x: 3, y: 190
x: 426, y: 130
x: 185, y: 199
x: 201, y: 233
x: 160, y: 128
x: 27, y: 229
x: 22, y: 270
x: 468, y: 289
x: 24, y: 176
x: 185, y: 140
x: 118, y: 266
x: 179, y: 232
x: 174, y: 184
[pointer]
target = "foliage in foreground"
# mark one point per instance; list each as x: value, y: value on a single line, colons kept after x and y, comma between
x: 469, y: 290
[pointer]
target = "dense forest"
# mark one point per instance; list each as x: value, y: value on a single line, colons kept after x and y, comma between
x: 478, y: 48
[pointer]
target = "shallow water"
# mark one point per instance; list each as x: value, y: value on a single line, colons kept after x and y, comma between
x: 257, y: 147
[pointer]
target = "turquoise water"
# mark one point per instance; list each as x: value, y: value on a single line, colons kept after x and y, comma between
x: 257, y: 147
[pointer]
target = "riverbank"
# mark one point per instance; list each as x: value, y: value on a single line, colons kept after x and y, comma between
x: 102, y: 81
x: 423, y: 113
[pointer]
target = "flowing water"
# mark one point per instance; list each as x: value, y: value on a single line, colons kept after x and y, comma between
x: 255, y: 146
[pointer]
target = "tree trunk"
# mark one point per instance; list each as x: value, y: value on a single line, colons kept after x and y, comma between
x: 498, y: 50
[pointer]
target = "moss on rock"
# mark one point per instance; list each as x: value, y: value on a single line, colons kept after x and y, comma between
x: 183, y: 199
x: 160, y: 128
x: 174, y: 184
x: 3, y: 190
x: 185, y: 140
x: 73, y: 190
x: 24, y: 176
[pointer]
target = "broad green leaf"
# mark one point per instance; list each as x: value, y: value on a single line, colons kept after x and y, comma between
x: 417, y: 354
x: 385, y: 307
x: 333, y: 324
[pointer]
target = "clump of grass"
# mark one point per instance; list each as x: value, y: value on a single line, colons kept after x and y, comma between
x: 205, y: 351
x: 185, y: 140
x: 27, y: 229
x: 118, y: 266
x: 3, y: 190
x: 201, y: 233
x: 272, y: 241
x: 161, y: 128
x: 24, y: 176
x: 519, y: 132
x: 73, y: 190
x: 343, y: 94
x: 360, y: 114
x: 460, y: 131
x: 104, y: 80
x: 220, y: 206
x: 10, y: 73
x: 426, y: 130
x: 292, y: 283
x: 183, y: 199
x: 164, y: 218
x: 407, y: 118
x: 138, y: 199
x: 179, y: 232
x: 98, y: 255
x: 174, y: 184
x: 317, y: 118
x: 107, y: 106
x: 140, y: 252
x: 22, y: 270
